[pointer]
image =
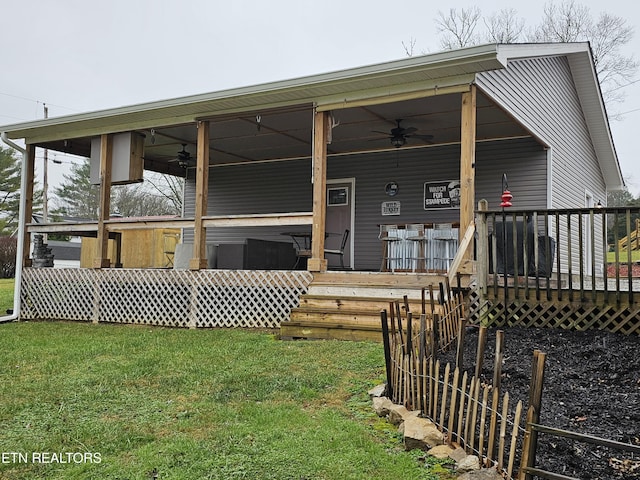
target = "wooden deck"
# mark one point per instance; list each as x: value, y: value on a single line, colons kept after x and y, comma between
x: 347, y: 305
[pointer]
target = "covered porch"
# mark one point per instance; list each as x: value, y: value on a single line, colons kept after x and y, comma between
x: 349, y: 151
x: 342, y: 156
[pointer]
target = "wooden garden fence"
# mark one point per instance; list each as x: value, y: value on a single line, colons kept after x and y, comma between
x: 471, y: 414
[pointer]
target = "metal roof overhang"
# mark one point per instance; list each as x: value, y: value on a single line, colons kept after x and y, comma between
x: 402, y: 79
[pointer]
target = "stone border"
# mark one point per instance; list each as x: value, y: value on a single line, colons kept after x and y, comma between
x: 421, y: 433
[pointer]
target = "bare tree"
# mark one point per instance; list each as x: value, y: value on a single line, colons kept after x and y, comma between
x: 134, y: 200
x: 571, y: 22
x: 567, y: 21
x: 458, y: 27
x: 170, y: 187
x: 408, y: 47
x: 504, y: 26
x: 157, y: 195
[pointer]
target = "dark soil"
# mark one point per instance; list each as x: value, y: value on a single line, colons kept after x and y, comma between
x: 591, y: 386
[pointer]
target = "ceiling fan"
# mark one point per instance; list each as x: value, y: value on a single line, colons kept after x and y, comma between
x: 399, y: 134
x: 184, y: 158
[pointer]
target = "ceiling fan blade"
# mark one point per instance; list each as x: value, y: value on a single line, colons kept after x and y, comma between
x: 426, y: 138
x: 382, y: 133
x: 409, y: 130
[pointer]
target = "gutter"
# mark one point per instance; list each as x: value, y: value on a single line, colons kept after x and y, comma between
x: 21, y: 227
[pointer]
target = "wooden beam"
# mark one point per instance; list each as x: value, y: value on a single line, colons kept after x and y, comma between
x: 106, y: 154
x: 199, y: 258
x: 457, y: 264
x: 28, y: 209
x: 122, y: 224
x: 317, y: 262
x: 259, y: 220
x: 468, y: 161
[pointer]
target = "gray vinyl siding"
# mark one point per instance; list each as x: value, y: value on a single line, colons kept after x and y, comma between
x: 286, y: 186
x: 541, y: 94
x: 253, y: 188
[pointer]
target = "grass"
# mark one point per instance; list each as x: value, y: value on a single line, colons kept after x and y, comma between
x: 622, y: 256
x: 6, y: 295
x: 191, y: 404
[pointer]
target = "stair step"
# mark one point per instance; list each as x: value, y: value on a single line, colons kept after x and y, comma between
x: 341, y: 317
x: 372, y: 291
x: 388, y: 279
x: 363, y: 304
x: 329, y: 331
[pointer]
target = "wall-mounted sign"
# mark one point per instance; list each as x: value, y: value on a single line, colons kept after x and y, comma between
x: 390, y: 208
x: 337, y: 196
x: 444, y: 194
x: 391, y: 189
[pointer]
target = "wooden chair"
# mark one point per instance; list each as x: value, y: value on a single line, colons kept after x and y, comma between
x: 340, y: 251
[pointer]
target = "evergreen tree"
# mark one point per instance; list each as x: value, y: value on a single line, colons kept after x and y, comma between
x: 9, y: 190
x: 76, y: 196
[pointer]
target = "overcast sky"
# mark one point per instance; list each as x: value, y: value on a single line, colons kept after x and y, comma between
x: 83, y: 55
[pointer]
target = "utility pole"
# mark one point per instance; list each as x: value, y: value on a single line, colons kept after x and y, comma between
x: 45, y: 181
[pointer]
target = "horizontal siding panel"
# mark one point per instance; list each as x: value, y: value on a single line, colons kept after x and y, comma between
x: 555, y: 115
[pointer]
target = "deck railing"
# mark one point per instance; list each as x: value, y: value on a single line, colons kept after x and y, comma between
x: 579, y: 250
x: 563, y: 257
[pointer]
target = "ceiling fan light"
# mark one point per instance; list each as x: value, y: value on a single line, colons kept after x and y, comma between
x: 398, y: 141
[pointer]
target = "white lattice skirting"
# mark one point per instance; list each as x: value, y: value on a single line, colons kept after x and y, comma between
x: 173, y: 298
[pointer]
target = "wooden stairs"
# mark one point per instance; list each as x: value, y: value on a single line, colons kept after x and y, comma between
x: 347, y: 305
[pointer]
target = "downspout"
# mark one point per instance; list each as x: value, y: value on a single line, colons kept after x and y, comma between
x: 21, y: 225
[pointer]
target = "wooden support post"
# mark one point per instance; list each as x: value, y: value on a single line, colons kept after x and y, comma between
x: 117, y: 236
x: 28, y: 211
x: 497, y: 363
x: 106, y: 153
x: 467, y: 162
x: 482, y: 341
x: 317, y: 262
x: 462, y: 331
x: 199, y: 255
x: 530, y: 444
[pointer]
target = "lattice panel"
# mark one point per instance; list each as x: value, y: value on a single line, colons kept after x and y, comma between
x: 56, y: 293
x: 259, y: 298
x: 175, y: 298
x: 623, y: 319
x: 147, y: 297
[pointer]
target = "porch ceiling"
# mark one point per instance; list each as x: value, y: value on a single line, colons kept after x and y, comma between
x: 282, y: 134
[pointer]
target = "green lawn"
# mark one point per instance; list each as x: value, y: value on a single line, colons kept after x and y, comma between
x: 190, y: 404
x: 6, y: 295
x: 622, y: 256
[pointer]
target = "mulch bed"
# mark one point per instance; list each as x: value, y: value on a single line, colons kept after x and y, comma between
x: 623, y: 270
x: 591, y: 385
